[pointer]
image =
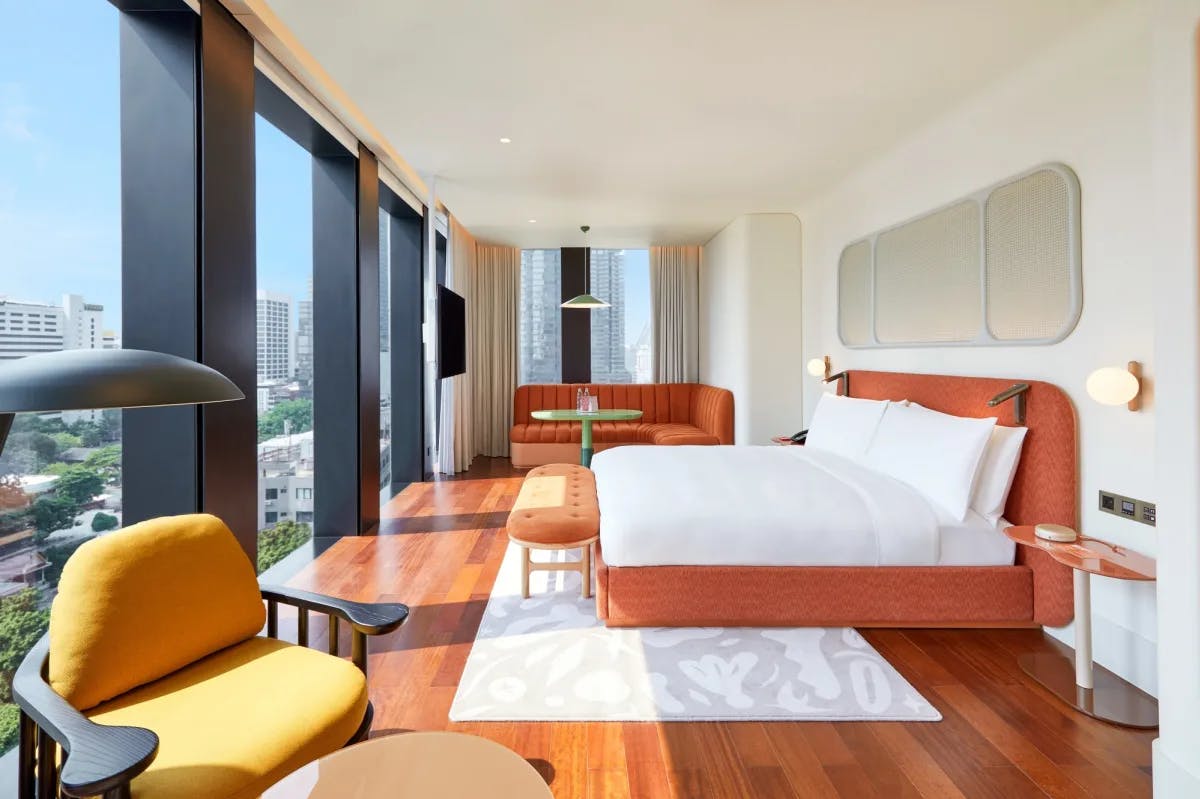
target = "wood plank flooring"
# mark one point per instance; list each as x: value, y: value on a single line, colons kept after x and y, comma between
x: 1003, y: 736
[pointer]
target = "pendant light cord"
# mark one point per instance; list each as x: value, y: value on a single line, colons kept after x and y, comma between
x: 587, y: 261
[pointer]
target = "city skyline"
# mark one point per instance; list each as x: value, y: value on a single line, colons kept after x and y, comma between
x: 606, y: 278
x: 620, y: 351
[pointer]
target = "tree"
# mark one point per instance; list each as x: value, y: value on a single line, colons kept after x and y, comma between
x: 66, y: 440
x: 299, y: 412
x: 105, y: 521
x: 275, y: 543
x: 106, y: 461
x: 57, y: 556
x: 110, y: 425
x: 22, y: 623
x: 12, y: 493
x: 32, y: 423
x: 79, y: 484
x: 18, y: 459
x: 44, y: 447
x: 52, y: 513
x: 88, y: 432
x: 10, y: 720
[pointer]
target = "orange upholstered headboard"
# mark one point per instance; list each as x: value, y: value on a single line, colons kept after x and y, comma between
x: 1046, y: 488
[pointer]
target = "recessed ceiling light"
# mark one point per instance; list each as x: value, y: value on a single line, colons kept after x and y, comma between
x: 531, y: 221
x: 505, y: 140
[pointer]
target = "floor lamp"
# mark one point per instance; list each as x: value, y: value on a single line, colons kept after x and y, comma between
x: 75, y: 380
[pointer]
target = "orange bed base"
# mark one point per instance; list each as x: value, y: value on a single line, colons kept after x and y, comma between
x: 1035, y: 590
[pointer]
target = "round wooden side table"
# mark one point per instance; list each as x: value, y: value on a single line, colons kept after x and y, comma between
x: 416, y: 765
x: 1075, y: 679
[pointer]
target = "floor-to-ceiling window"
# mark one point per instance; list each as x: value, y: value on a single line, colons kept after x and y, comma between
x: 621, y: 347
x: 284, y: 397
x: 617, y: 338
x: 402, y: 362
x: 385, y: 355
x: 60, y: 288
x: 539, y: 354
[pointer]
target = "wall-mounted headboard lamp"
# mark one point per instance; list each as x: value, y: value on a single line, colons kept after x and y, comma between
x: 1016, y: 393
x: 822, y: 368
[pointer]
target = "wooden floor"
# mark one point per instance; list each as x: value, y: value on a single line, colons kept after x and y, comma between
x: 438, y: 551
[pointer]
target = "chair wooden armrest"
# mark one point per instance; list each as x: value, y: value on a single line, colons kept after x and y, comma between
x: 364, y: 618
x: 99, y: 760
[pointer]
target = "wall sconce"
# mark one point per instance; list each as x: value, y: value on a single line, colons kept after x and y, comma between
x: 819, y: 367
x: 1016, y: 392
x: 1112, y: 385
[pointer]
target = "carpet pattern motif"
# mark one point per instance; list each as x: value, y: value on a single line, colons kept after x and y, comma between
x: 548, y: 658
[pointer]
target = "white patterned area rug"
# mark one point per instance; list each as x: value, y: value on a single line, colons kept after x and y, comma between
x: 548, y: 658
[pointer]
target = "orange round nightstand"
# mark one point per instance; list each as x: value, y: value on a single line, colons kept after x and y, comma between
x: 1075, y: 679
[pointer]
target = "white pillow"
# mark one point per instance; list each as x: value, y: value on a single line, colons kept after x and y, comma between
x: 844, y: 425
x: 935, y: 453
x: 997, y: 470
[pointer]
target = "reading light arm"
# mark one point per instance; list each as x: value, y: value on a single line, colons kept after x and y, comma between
x: 844, y: 379
x: 1016, y: 393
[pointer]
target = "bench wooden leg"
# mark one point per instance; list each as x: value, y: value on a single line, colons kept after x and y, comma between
x: 525, y: 572
x: 585, y: 569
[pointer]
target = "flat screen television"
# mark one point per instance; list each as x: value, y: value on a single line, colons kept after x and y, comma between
x: 452, y: 333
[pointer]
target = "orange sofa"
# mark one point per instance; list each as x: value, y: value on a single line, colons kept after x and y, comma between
x: 672, y: 414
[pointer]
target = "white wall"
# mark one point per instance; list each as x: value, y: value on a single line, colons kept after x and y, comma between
x: 750, y: 329
x: 1086, y: 102
x: 1177, y: 352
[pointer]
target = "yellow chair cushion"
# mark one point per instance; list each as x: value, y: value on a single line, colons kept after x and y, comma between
x: 139, y: 603
x: 235, y: 723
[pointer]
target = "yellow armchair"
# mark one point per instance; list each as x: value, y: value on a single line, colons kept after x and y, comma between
x: 154, y: 682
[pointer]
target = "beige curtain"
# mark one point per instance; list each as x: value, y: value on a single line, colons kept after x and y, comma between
x: 462, y: 260
x: 494, y: 287
x: 675, y: 309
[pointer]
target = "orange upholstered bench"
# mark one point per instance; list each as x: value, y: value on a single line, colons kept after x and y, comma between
x: 556, y: 509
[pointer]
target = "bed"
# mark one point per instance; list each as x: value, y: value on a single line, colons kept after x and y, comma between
x: 788, y: 536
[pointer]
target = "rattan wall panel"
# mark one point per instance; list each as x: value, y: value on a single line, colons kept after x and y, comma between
x: 854, y: 294
x: 1001, y: 266
x: 927, y: 278
x: 1028, y: 257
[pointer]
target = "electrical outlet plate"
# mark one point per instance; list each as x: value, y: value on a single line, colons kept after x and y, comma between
x: 1129, y: 508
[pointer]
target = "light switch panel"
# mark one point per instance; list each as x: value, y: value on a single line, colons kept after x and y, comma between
x: 1137, y: 510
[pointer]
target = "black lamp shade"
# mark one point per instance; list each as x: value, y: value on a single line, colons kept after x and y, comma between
x: 90, y: 379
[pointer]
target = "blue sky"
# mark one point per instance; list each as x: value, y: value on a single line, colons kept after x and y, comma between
x: 637, y: 293
x: 283, y: 199
x: 60, y: 180
x: 59, y: 153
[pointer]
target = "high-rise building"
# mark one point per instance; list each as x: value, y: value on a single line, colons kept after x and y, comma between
x: 274, y: 336
x: 639, y: 356
x: 540, y: 335
x: 304, y: 343
x: 607, y: 281
x: 27, y: 328
x: 84, y: 325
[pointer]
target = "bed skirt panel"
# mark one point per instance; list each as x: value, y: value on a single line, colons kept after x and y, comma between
x: 815, y: 596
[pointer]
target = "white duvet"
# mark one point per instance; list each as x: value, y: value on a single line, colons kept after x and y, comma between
x: 760, y: 506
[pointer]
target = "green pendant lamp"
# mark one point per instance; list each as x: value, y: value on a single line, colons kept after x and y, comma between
x: 586, y: 300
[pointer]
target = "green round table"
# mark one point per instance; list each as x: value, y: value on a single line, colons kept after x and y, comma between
x: 586, y: 419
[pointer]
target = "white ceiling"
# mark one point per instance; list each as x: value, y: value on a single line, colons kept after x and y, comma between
x: 656, y: 121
